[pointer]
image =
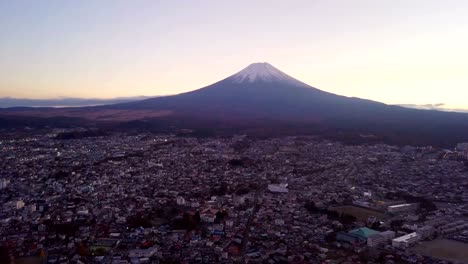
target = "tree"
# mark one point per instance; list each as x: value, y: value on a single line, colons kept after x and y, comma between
x: 100, y: 252
x: 196, y: 218
x: 5, y: 256
x: 311, y: 207
x: 427, y: 205
x: 82, y: 250
x: 220, y: 215
x: 138, y: 220
x: 347, y: 219
x: 332, y: 214
x: 396, y: 224
x: 375, y: 225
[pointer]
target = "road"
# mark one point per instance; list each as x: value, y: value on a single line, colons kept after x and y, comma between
x: 249, y: 223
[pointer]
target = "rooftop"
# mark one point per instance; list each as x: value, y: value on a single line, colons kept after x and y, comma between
x: 405, y: 237
x: 363, y: 232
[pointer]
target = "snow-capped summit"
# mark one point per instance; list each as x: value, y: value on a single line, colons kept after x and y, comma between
x: 262, y: 71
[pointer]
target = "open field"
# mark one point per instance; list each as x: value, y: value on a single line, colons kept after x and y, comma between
x: 444, y: 249
x: 28, y: 260
x: 360, y: 213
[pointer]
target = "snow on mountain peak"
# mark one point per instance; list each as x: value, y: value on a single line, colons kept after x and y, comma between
x: 262, y: 71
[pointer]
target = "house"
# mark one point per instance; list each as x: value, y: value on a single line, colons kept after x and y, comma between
x: 208, y: 215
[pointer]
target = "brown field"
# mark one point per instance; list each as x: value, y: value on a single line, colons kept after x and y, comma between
x: 444, y: 249
x: 28, y: 260
x: 360, y: 213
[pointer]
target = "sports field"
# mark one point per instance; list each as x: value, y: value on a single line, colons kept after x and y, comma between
x: 360, y: 213
x: 444, y: 249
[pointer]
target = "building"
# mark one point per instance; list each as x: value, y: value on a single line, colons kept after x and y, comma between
x: 462, y: 149
x: 32, y: 208
x: 362, y: 203
x: 403, y: 208
x: 19, y: 204
x: 82, y: 211
x: 462, y: 146
x: 279, y: 222
x: 452, y: 227
x: 208, y: 215
x: 143, y: 253
x: 3, y: 183
x: 229, y: 223
x: 381, y: 238
x: 355, y: 236
x: 406, y: 240
x: 425, y: 232
x: 278, y: 188
x: 180, y: 200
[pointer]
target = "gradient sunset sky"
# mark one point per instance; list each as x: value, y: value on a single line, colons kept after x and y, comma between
x: 393, y: 51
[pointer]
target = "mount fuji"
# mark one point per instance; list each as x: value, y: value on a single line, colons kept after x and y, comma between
x: 258, y: 91
x: 263, y: 99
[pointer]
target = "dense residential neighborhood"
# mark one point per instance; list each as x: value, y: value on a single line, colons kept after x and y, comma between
x: 162, y: 198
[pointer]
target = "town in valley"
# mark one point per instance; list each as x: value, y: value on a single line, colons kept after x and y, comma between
x: 69, y: 196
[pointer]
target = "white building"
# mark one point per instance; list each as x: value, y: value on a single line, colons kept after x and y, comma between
x: 3, y: 183
x: 229, y: 223
x: 82, y: 211
x: 406, y: 240
x: 143, y: 253
x: 381, y: 238
x: 19, y: 204
x: 278, y: 188
x: 180, y: 200
x: 362, y: 203
x: 403, y: 208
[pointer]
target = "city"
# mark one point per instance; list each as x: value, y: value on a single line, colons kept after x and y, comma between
x: 165, y: 198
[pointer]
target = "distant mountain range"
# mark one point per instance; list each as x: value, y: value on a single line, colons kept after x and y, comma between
x: 262, y: 100
x: 64, y: 101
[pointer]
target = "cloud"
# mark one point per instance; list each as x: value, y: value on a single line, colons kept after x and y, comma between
x: 438, y: 107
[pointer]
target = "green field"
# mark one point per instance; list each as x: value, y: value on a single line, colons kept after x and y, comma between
x: 360, y: 213
x: 444, y: 249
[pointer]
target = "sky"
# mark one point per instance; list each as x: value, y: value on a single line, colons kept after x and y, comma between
x: 392, y: 51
